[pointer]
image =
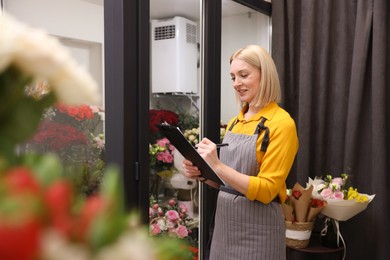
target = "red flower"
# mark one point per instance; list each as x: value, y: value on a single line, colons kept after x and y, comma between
x: 59, y: 198
x: 58, y: 136
x: 20, y: 241
x: 20, y: 180
x: 296, y: 194
x: 317, y: 203
x: 78, y: 112
x: 92, y: 207
x: 160, y: 116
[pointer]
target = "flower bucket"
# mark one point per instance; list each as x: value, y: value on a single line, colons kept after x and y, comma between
x: 298, y: 233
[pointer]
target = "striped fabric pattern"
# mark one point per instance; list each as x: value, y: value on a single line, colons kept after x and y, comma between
x: 246, y: 229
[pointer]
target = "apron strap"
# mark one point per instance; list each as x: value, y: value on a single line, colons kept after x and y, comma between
x: 260, y: 127
x: 232, y: 125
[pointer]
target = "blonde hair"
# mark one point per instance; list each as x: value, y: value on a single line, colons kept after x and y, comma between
x: 269, y: 89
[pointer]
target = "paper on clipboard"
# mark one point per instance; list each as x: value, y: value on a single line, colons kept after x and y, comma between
x: 178, y: 140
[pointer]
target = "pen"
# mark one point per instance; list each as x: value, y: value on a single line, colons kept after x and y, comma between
x: 222, y: 145
x: 218, y: 145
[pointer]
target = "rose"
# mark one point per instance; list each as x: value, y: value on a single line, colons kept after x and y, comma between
x: 181, y: 231
x: 155, y: 229
x: 296, y: 194
x: 172, y: 215
x: 317, y: 203
x: 326, y: 193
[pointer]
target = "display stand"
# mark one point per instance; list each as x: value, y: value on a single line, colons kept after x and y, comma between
x: 315, y: 251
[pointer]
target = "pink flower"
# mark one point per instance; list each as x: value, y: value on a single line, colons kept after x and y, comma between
x: 327, y: 193
x: 155, y: 229
x: 172, y: 215
x: 338, y: 181
x: 338, y: 195
x: 168, y: 157
x: 171, y: 147
x: 183, y: 208
x: 163, y: 142
x: 181, y: 231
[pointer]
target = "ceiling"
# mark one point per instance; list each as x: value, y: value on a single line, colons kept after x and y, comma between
x: 160, y: 9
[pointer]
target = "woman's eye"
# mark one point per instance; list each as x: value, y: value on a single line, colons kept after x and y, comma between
x: 233, y: 79
x: 244, y: 76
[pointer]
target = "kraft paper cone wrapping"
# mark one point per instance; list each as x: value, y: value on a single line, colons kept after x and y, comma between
x: 313, y: 212
x: 288, y: 212
x: 302, y: 204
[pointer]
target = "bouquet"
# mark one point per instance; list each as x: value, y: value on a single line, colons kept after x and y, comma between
x: 343, y: 201
x: 300, y: 210
x: 300, y: 205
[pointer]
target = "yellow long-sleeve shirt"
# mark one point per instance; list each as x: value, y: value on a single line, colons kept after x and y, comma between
x: 275, y: 164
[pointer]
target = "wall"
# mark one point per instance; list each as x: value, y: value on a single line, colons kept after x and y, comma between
x: 239, y: 31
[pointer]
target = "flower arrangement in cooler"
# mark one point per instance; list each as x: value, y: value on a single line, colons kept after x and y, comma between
x: 172, y: 220
x: 192, y: 135
x: 161, y: 155
x: 158, y: 116
x: 344, y: 201
x: 75, y: 133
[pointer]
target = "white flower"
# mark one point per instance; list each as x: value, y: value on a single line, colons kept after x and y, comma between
x: 41, y: 56
x: 318, y: 185
x: 56, y: 247
x: 134, y: 244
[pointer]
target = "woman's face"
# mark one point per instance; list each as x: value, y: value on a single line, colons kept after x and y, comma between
x: 246, y: 79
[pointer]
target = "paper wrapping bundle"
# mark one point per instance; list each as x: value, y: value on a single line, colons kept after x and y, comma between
x: 301, y: 206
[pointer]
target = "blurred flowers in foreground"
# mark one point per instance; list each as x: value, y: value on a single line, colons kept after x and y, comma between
x: 41, y: 217
x: 28, y: 55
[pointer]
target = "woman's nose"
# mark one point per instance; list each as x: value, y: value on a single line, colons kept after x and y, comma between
x: 237, y: 82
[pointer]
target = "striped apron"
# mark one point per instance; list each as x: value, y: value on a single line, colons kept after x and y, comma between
x: 245, y: 229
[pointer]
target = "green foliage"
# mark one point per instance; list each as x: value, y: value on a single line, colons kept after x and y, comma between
x: 19, y: 114
x: 187, y: 121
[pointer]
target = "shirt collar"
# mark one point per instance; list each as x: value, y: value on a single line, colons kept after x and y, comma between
x: 268, y: 112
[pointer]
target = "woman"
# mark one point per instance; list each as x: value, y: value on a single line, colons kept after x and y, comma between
x: 262, y: 144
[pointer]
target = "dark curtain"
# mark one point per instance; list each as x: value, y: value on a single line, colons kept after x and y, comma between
x: 334, y: 67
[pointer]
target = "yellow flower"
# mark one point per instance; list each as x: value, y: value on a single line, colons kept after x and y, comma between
x: 353, y: 194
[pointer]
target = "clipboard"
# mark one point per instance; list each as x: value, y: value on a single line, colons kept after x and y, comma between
x: 176, y: 137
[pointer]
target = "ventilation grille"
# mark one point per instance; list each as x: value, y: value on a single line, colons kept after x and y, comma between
x: 191, y: 33
x: 164, y: 32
